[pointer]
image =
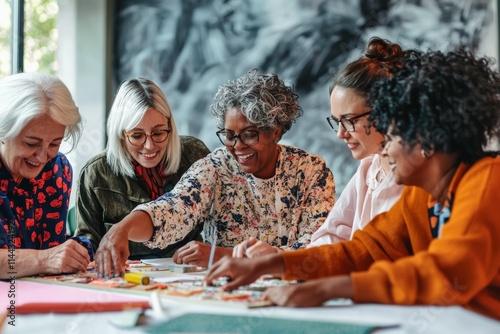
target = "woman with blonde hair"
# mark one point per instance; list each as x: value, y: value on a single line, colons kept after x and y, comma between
x: 145, y: 157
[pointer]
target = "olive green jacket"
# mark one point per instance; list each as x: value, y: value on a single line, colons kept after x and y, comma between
x: 104, y: 198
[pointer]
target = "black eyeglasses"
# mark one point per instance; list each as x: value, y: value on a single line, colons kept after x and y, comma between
x: 139, y: 138
x: 247, y: 137
x: 347, y: 122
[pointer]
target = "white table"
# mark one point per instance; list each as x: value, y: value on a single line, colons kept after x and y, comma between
x: 415, y: 319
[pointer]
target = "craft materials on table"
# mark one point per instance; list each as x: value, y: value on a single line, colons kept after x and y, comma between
x: 183, y: 268
x: 163, y: 264
x: 137, y: 278
x: 180, y: 285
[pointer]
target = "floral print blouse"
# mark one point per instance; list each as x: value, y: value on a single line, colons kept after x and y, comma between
x: 283, y: 211
x: 34, y: 211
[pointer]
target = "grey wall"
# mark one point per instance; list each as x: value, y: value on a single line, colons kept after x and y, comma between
x: 190, y: 47
x: 83, y: 59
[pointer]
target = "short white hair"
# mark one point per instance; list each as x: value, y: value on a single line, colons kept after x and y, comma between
x: 134, y: 98
x: 26, y: 96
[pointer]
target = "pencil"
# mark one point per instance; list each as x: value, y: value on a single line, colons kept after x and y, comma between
x: 213, y: 238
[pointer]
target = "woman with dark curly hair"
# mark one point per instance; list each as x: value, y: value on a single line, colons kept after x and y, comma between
x: 438, y: 245
x: 252, y: 187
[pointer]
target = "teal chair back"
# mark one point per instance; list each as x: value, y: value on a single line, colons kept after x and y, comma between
x: 71, y: 222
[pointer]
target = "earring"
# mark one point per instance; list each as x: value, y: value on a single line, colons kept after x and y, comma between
x: 424, y: 153
x: 276, y: 140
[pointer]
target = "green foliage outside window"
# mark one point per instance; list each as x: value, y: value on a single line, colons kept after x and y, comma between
x: 40, y: 36
x: 5, y: 24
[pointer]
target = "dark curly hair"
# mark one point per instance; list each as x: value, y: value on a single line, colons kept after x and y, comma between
x: 381, y: 59
x: 264, y: 99
x: 446, y: 102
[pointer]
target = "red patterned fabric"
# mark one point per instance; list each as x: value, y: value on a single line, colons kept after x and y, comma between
x: 34, y: 211
x: 155, y: 189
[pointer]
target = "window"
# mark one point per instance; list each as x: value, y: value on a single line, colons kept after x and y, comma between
x: 40, y: 36
x: 5, y: 31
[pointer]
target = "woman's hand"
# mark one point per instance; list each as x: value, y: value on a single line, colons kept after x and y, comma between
x: 198, y: 253
x: 68, y: 257
x: 244, y: 271
x: 253, y: 247
x: 312, y: 293
x: 113, y: 251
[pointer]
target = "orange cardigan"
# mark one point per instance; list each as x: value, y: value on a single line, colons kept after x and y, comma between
x: 394, y: 259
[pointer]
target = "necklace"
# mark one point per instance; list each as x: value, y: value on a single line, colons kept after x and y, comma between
x: 19, y: 179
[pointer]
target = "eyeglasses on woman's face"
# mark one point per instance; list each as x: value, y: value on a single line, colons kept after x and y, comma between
x: 347, y: 122
x: 247, y: 137
x: 138, y: 138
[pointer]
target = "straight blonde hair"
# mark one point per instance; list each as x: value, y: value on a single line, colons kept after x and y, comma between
x: 134, y: 98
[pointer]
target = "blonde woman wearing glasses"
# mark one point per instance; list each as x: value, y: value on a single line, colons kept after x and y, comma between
x: 251, y: 187
x: 145, y: 157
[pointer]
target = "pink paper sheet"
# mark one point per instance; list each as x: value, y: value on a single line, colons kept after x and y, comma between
x: 34, y: 292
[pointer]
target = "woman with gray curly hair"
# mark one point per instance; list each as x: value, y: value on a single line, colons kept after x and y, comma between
x: 252, y: 188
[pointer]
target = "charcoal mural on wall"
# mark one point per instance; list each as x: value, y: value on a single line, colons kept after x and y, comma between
x: 191, y: 46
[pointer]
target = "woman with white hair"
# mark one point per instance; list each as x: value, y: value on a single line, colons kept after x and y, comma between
x: 145, y: 158
x: 37, y: 113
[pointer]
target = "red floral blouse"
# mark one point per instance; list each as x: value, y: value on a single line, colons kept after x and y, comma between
x: 33, y: 212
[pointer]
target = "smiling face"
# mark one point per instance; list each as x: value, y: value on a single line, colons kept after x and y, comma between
x: 347, y: 103
x: 37, y: 143
x: 407, y: 163
x: 259, y: 159
x: 150, y: 153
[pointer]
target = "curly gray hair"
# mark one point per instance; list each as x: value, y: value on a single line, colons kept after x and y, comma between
x: 264, y: 99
